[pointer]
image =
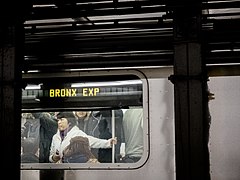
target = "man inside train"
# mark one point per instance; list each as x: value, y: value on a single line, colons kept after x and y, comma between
x: 67, y: 130
x: 133, y: 133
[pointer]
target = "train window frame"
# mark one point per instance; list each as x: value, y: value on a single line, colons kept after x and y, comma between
x: 108, y: 74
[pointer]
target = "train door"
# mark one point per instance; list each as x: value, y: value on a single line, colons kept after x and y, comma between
x: 131, y: 108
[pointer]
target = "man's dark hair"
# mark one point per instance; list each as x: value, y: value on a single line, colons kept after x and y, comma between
x: 69, y: 116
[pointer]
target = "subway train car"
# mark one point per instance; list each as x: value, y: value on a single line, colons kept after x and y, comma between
x: 106, y: 92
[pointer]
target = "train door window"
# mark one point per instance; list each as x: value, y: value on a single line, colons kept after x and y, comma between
x: 84, y: 122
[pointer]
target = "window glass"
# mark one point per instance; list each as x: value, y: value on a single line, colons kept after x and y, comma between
x: 82, y: 122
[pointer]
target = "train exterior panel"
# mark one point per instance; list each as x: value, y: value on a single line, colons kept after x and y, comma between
x: 224, y: 132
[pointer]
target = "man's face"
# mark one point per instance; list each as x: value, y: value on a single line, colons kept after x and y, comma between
x: 81, y: 114
x: 62, y: 124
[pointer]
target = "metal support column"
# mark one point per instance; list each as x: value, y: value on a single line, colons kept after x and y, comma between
x: 190, y: 84
x: 11, y: 42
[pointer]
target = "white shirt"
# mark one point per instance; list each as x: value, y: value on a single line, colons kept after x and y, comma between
x: 59, y: 145
x: 133, y: 132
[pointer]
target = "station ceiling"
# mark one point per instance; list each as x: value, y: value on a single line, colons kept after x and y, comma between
x: 72, y: 34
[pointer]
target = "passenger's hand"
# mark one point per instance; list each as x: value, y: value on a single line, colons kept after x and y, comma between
x: 56, y: 157
x: 113, y: 141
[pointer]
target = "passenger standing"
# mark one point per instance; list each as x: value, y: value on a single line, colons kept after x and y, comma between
x: 82, y: 118
x: 118, y: 115
x: 88, y: 122
x: 48, y: 127
x: 104, y: 155
x: 78, y: 151
x: 31, y: 126
x: 29, y: 151
x: 133, y: 133
x: 67, y: 130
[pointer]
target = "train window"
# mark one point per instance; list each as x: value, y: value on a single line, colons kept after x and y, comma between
x: 84, y: 122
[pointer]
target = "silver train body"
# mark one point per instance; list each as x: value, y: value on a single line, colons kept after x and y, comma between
x: 158, y: 159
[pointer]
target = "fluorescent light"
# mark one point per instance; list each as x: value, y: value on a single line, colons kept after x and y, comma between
x: 113, y: 83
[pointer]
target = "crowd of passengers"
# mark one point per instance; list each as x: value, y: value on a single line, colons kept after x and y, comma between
x: 81, y: 136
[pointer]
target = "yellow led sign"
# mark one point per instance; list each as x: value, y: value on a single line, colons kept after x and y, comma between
x: 62, y: 92
x: 90, y: 91
x: 72, y: 92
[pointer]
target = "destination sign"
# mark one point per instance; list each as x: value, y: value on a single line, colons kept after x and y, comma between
x: 69, y: 95
x: 72, y: 92
x: 80, y: 92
